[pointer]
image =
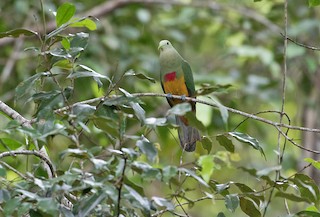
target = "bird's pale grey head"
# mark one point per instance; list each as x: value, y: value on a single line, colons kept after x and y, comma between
x: 163, y: 44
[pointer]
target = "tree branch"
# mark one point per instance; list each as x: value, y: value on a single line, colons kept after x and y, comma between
x: 190, y: 99
x: 14, y: 115
x: 29, y: 152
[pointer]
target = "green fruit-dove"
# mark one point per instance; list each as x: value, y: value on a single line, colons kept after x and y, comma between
x: 177, y: 79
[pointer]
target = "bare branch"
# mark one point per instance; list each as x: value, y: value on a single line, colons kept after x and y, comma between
x: 300, y: 44
x: 14, y: 115
x: 29, y: 152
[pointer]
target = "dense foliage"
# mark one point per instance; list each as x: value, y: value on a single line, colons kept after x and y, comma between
x: 95, y: 137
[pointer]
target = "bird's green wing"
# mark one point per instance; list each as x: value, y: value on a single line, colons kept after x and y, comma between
x: 188, y: 77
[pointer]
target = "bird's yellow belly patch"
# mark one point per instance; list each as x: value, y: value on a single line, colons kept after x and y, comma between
x: 176, y: 86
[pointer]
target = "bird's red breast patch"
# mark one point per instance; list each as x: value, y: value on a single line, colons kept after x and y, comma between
x: 170, y: 76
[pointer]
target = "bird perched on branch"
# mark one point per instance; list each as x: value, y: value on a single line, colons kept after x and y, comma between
x: 177, y: 79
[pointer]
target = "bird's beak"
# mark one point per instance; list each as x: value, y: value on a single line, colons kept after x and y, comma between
x: 159, y: 47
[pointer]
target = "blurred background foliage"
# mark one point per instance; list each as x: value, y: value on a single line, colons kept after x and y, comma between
x: 227, y: 42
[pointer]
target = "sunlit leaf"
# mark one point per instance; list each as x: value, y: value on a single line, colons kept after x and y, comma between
x: 207, y: 166
x: 314, y: 163
x: 86, y: 71
x: 307, y: 214
x: 313, y: 3
x: 64, y: 13
x: 86, y: 22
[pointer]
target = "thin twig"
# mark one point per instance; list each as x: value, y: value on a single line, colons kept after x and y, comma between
x: 120, y: 186
x: 300, y: 44
x: 30, y: 152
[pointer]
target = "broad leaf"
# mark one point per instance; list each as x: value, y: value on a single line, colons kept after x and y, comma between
x: 18, y: 32
x: 147, y: 148
x: 232, y: 202
x: 180, y: 109
x: 64, y: 13
x: 163, y: 203
x: 225, y: 142
x: 313, y: 3
x: 139, y: 75
x: 207, y: 166
x: 245, y: 138
x: 249, y: 208
x: 85, y: 22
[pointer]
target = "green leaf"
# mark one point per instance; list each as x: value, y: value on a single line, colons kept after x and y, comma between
x: 307, y: 187
x: 162, y: 202
x: 245, y: 138
x: 223, y: 111
x: 65, y: 43
x: 249, y: 207
x: 225, y: 142
x: 86, y: 22
x: 221, y: 214
x: 88, y: 204
x: 4, y: 194
x: 307, y: 214
x: 207, y: 166
x: 292, y: 197
x: 10, y: 144
x: 206, y: 143
x: 83, y: 111
x: 147, y: 148
x: 268, y: 170
x: 314, y: 163
x: 139, y: 75
x: 169, y: 172
x: 49, y: 206
x: 10, y: 206
x: 138, y: 200
x: 180, y: 109
x: 313, y: 3
x: 85, y: 71
x: 208, y: 88
x: 138, y: 110
x: 64, y: 64
x: 26, y: 87
x: 17, y: 32
x: 193, y: 175
x: 64, y: 13
x: 232, y: 202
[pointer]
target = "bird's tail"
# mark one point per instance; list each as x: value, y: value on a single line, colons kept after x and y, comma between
x: 188, y: 135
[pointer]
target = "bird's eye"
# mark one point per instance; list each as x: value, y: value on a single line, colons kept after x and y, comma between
x: 167, y: 43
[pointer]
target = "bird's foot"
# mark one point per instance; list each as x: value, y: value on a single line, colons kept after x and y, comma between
x: 169, y: 95
x: 183, y: 97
